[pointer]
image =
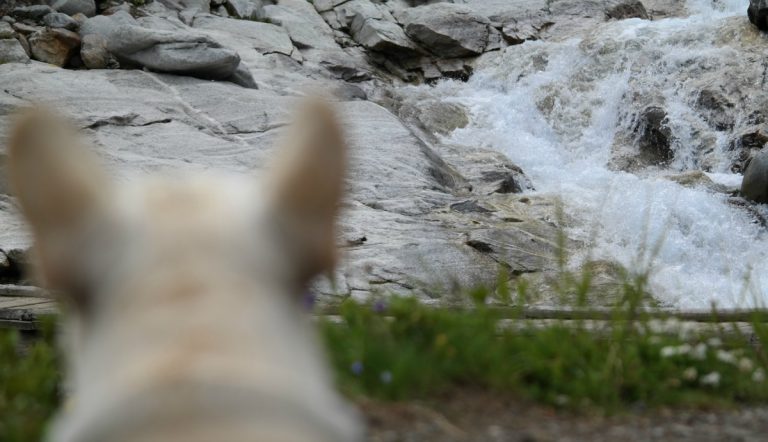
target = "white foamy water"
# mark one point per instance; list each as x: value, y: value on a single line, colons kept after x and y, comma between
x: 555, y: 108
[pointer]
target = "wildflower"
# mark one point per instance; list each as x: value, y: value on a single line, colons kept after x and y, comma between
x: 386, y: 377
x: 746, y: 365
x: 670, y: 350
x: 712, y: 379
x: 758, y: 375
x: 715, y: 342
x: 699, y: 351
x: 308, y: 300
x: 379, y: 306
x: 356, y: 368
x: 726, y: 356
x: 690, y: 374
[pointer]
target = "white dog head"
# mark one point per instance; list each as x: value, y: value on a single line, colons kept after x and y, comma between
x: 184, y: 318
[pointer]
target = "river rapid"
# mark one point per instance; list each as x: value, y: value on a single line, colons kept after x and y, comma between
x: 567, y: 112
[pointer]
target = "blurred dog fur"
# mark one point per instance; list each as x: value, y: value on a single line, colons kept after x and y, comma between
x: 183, y: 293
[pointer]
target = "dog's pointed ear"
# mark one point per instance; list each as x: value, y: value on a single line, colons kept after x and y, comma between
x: 306, y: 187
x: 59, y: 185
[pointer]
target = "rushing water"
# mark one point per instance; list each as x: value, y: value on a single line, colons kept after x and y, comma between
x: 700, y: 248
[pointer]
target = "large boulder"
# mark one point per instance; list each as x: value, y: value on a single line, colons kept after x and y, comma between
x: 447, y: 30
x: 54, y: 46
x: 755, y: 184
x: 60, y: 20
x: 382, y: 36
x: 11, y: 51
x: 302, y: 22
x: 758, y: 13
x: 72, y: 7
x: 176, y: 52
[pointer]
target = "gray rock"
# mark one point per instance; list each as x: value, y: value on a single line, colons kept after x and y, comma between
x: 447, y: 30
x: 6, y: 31
x: 60, y: 20
x: 25, y: 29
x: 243, y: 77
x: 11, y: 51
x: 755, y: 184
x: 94, y: 53
x: 196, y: 5
x: 302, y: 22
x: 758, y: 13
x: 264, y: 37
x: 382, y: 36
x: 54, y: 46
x: 182, y: 53
x: 243, y: 9
x: 34, y: 12
x: 72, y: 7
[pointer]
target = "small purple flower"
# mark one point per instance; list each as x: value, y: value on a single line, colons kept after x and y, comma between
x: 386, y: 377
x: 356, y: 368
x: 308, y: 299
x: 379, y: 306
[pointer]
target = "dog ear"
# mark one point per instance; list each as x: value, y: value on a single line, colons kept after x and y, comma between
x: 308, y: 184
x: 59, y: 186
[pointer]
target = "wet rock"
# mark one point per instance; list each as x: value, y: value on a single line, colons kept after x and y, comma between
x: 447, y: 30
x: 59, y: 20
x: 699, y: 179
x: 177, y: 52
x: 745, y: 145
x: 34, y: 13
x: 755, y: 184
x: 716, y: 109
x: 11, y: 51
x: 627, y: 9
x: 72, y: 7
x: 654, y: 136
x: 94, y: 53
x: 54, y: 46
x: 758, y: 13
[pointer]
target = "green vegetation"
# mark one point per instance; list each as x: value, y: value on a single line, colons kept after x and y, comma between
x: 402, y: 350
x: 398, y: 349
x: 29, y: 384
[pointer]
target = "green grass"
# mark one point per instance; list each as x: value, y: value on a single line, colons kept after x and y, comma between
x: 398, y: 349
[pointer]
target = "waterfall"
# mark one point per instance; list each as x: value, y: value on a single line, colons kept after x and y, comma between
x: 567, y: 112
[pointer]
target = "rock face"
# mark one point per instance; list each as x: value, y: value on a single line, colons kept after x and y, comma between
x: 422, y: 214
x: 758, y: 13
x: 447, y: 30
x: 755, y: 184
